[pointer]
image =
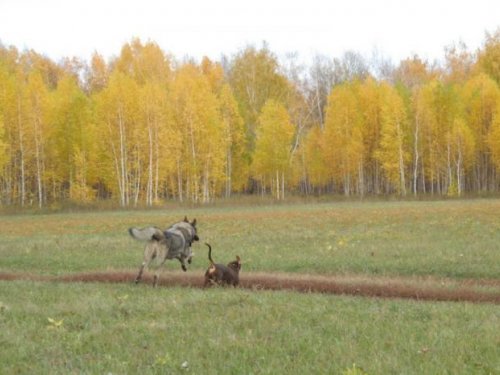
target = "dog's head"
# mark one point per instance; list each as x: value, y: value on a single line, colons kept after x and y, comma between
x: 193, y: 224
x: 235, y: 265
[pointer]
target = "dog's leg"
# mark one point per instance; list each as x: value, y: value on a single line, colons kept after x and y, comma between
x: 155, y: 278
x: 182, y: 259
x: 158, y: 273
x: 139, y: 275
x: 209, y: 282
x: 149, y: 255
x: 144, y: 266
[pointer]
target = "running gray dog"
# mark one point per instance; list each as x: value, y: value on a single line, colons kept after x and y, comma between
x: 173, y: 243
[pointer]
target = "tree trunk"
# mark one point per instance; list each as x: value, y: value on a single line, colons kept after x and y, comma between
x: 415, y: 150
x: 124, y: 199
x: 401, y: 161
x: 149, y: 185
x: 229, y: 172
x: 21, y: 151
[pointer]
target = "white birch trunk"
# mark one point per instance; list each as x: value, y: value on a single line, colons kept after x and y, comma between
x: 123, y: 162
x: 415, y: 150
x: 21, y: 151
x: 401, y: 161
x: 149, y: 188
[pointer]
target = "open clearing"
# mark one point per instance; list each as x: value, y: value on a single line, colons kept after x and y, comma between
x: 68, y: 303
x: 443, y: 251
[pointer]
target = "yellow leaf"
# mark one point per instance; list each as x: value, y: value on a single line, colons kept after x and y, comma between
x: 55, y: 323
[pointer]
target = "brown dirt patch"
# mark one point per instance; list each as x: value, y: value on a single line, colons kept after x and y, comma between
x: 406, y: 288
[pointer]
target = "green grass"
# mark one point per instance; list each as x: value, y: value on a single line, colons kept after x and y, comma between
x: 126, y: 329
x: 457, y: 239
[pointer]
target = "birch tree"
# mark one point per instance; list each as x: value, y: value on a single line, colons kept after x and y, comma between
x: 8, y: 121
x: 38, y: 116
x: 118, y: 116
x: 271, y: 164
x: 392, y: 152
x: 236, y: 164
x: 343, y: 137
x: 255, y: 78
x: 196, y: 113
x: 480, y: 96
x: 71, y: 143
x: 494, y: 138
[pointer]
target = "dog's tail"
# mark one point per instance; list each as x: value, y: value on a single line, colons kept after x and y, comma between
x: 147, y: 234
x: 210, y: 253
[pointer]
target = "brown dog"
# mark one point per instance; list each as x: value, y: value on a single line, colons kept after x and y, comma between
x: 219, y: 274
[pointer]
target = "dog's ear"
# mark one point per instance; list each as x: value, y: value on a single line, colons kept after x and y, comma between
x: 238, y: 259
x: 193, y: 223
x: 186, y: 219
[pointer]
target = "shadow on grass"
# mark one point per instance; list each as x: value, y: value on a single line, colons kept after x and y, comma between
x: 388, y: 288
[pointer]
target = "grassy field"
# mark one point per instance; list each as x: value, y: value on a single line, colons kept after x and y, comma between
x: 124, y: 329
x: 61, y: 328
x: 458, y: 239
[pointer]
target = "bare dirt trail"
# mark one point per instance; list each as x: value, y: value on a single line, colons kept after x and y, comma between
x: 406, y: 288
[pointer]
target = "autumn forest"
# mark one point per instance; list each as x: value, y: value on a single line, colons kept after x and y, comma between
x: 143, y: 127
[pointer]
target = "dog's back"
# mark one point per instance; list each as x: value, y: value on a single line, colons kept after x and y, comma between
x: 221, y: 274
x: 188, y: 229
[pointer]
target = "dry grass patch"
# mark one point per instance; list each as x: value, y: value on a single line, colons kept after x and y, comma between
x: 408, y: 288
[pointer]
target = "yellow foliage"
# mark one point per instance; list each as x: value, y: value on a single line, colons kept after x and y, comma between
x: 494, y: 137
x: 344, y: 150
x: 392, y: 152
x: 143, y: 127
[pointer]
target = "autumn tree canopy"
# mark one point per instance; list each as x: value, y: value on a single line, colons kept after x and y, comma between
x: 143, y: 127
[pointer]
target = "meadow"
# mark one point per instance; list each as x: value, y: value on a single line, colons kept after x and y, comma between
x: 122, y: 328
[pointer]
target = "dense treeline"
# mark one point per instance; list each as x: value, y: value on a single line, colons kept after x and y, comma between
x: 143, y: 127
